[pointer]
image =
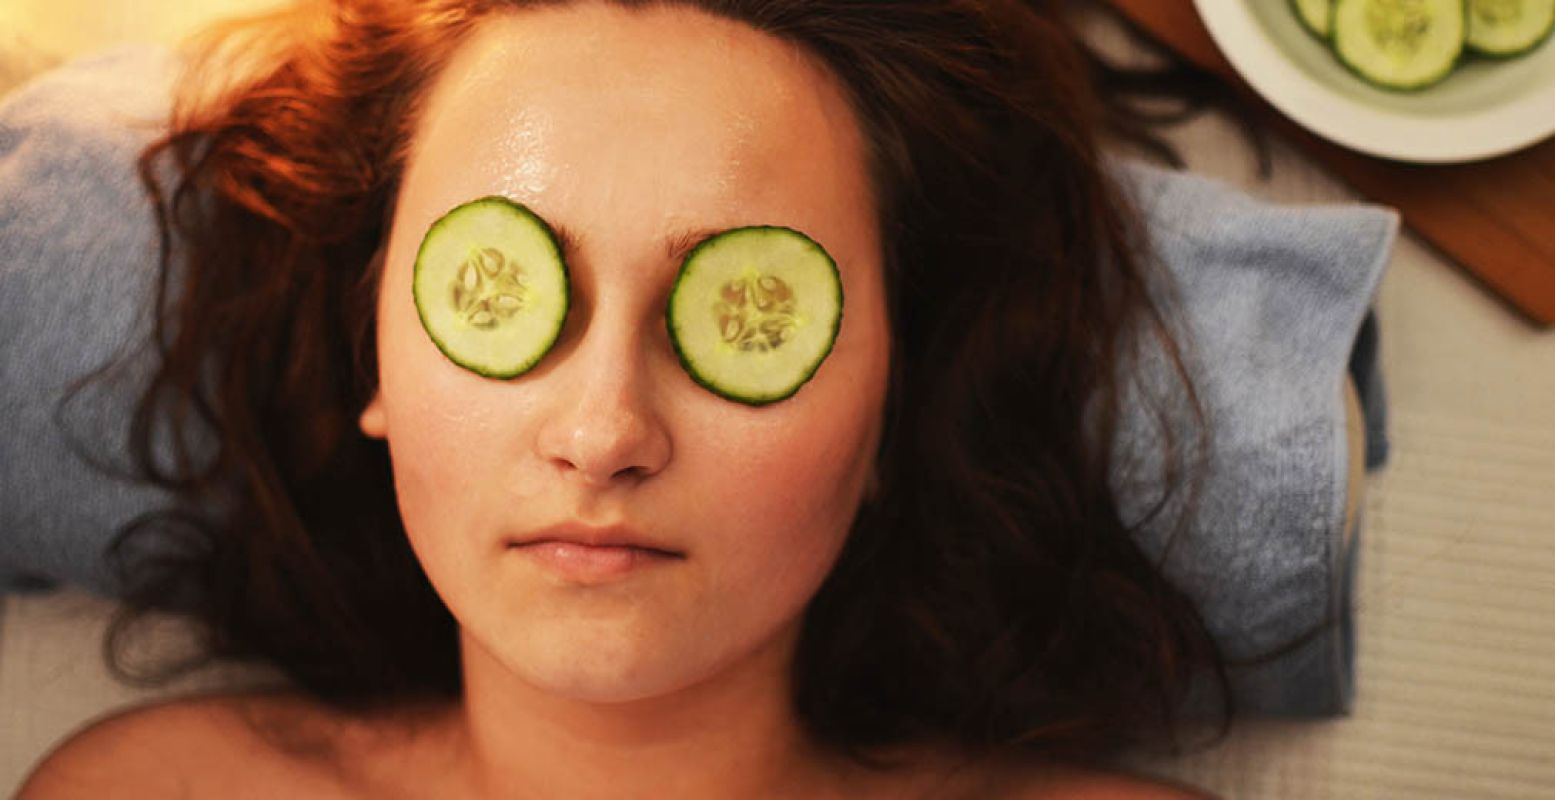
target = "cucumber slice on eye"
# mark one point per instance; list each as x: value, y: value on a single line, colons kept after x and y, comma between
x: 491, y: 287
x: 1316, y: 15
x: 1400, y: 44
x: 1509, y: 27
x: 754, y: 311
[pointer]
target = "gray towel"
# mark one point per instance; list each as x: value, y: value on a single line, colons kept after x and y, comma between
x: 1273, y: 298
x: 77, y: 270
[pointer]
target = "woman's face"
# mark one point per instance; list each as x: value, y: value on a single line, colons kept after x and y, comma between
x: 628, y: 128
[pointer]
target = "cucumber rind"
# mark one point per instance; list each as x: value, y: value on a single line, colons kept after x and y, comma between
x: 462, y: 348
x: 1320, y: 29
x: 1478, y: 42
x: 680, y: 335
x: 1338, y: 39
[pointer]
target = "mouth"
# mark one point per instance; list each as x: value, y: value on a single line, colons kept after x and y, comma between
x: 592, y: 564
x: 585, y: 539
x: 583, y: 555
x: 582, y: 547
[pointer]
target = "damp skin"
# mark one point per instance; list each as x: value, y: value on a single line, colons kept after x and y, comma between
x: 629, y: 129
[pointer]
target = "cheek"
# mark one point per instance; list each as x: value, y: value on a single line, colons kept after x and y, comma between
x: 789, y: 480
x: 440, y: 436
x: 787, y: 494
x: 429, y: 460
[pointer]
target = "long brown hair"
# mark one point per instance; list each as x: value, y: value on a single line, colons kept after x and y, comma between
x: 989, y: 595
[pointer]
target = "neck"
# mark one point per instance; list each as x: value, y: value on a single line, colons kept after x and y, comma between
x: 731, y: 735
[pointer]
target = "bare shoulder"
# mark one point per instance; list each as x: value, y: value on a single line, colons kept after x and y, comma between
x: 177, y: 747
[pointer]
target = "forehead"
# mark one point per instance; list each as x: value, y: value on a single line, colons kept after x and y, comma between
x: 588, y: 110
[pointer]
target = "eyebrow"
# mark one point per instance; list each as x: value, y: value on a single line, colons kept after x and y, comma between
x: 676, y: 245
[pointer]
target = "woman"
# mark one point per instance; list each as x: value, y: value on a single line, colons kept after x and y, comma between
x: 909, y: 579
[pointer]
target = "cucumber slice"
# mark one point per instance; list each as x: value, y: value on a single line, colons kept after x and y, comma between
x: 491, y: 287
x: 1316, y: 15
x: 754, y: 311
x: 1509, y: 27
x: 1400, y: 44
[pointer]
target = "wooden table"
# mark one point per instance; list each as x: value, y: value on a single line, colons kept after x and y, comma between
x: 1495, y: 218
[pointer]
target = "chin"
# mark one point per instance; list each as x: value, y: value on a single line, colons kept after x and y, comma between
x: 614, y: 683
x: 601, y: 668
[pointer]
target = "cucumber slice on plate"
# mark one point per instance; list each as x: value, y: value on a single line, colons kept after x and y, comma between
x: 491, y: 287
x: 1509, y: 27
x: 754, y: 311
x: 1400, y: 44
x: 1316, y: 15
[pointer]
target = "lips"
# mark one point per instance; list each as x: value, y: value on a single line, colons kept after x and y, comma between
x: 610, y: 536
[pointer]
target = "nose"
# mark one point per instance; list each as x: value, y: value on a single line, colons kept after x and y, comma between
x: 603, y: 428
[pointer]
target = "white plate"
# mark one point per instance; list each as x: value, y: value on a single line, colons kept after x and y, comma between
x: 1483, y: 109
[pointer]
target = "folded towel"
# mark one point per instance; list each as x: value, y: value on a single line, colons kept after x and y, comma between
x: 77, y: 272
x: 1274, y: 297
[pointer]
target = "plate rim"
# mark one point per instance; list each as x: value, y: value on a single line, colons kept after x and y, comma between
x: 1256, y: 57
